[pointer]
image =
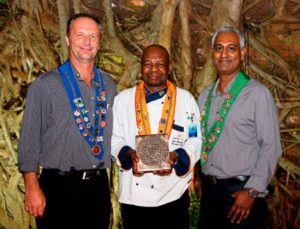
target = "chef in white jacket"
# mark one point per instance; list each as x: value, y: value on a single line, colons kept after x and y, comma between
x: 160, y: 199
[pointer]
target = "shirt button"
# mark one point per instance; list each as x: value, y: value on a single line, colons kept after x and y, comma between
x: 152, y: 186
x: 137, y: 184
x: 211, y: 164
x: 93, y: 115
x: 92, y: 97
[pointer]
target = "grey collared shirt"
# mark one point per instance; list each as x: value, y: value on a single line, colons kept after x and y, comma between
x: 49, y: 135
x: 250, y: 141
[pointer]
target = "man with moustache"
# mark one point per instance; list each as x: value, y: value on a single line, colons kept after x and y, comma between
x: 67, y: 130
x: 241, y: 141
x: 158, y: 199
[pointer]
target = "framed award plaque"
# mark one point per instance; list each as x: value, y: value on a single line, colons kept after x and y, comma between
x: 153, y: 151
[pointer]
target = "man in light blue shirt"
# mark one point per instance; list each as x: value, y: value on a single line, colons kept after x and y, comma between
x: 241, y: 144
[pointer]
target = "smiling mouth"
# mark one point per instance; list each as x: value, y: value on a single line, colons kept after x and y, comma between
x: 154, y: 76
x: 84, y: 48
x: 224, y: 60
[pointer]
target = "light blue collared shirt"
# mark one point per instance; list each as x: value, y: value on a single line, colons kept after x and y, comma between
x: 250, y: 141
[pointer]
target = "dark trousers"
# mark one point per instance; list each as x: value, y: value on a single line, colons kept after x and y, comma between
x: 216, y: 201
x: 72, y: 202
x: 171, y: 215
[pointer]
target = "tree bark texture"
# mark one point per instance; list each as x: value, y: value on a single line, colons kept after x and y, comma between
x: 32, y: 42
x: 63, y: 9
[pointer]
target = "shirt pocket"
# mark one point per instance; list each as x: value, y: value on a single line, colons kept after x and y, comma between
x: 177, y: 135
x: 177, y: 127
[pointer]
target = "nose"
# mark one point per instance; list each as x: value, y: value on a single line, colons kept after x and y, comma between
x: 224, y: 52
x: 87, y: 40
x: 154, y: 67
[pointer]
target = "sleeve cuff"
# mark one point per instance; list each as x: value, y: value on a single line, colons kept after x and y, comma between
x: 125, y: 162
x: 29, y: 168
x: 258, y: 184
x: 183, y: 164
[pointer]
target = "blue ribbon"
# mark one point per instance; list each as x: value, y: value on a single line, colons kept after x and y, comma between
x: 93, y: 134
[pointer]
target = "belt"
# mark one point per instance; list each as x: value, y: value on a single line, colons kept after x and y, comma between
x: 81, y: 174
x: 232, y: 180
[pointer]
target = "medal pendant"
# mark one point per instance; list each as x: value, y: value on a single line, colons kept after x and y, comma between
x: 96, y: 150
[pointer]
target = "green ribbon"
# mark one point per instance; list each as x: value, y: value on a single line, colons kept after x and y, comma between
x: 211, y: 137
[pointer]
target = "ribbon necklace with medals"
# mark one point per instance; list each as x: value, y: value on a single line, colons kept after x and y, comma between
x: 93, y: 134
x: 142, y: 115
x: 211, y: 137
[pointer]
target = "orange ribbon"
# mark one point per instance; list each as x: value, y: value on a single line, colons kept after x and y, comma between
x: 168, y: 112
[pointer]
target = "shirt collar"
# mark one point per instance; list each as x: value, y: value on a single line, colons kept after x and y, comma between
x: 155, y: 95
x: 77, y: 74
x: 216, y: 92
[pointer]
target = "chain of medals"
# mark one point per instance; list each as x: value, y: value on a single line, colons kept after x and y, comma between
x: 211, y: 137
x: 142, y: 115
x: 93, y: 134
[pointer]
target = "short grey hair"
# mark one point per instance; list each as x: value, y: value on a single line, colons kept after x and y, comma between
x: 229, y: 29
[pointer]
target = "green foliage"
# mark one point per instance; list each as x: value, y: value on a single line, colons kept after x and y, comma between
x: 194, y: 210
x: 111, y: 63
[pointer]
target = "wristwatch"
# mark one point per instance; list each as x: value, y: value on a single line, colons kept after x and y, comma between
x: 252, y: 192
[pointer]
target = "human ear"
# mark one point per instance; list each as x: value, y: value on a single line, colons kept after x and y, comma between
x: 67, y: 40
x: 170, y: 68
x: 243, y: 53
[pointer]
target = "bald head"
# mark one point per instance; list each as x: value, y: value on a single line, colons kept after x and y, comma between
x: 158, y: 49
x: 155, y: 67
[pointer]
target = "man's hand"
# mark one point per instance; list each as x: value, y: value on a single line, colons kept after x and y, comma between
x: 241, y: 207
x: 165, y: 172
x: 131, y: 154
x: 35, y: 201
x: 173, y: 158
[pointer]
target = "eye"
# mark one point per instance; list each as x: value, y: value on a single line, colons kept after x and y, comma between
x: 231, y: 49
x: 218, y: 48
x: 162, y: 65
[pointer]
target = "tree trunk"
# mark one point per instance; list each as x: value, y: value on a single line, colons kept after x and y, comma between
x: 63, y: 15
x: 130, y: 61
x: 166, y: 25
x: 185, y: 41
x: 76, y: 6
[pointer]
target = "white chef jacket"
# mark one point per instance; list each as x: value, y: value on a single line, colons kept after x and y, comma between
x: 152, y: 190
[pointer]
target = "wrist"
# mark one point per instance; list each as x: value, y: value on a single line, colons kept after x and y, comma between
x: 174, y: 157
x: 252, y: 192
x: 129, y: 154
